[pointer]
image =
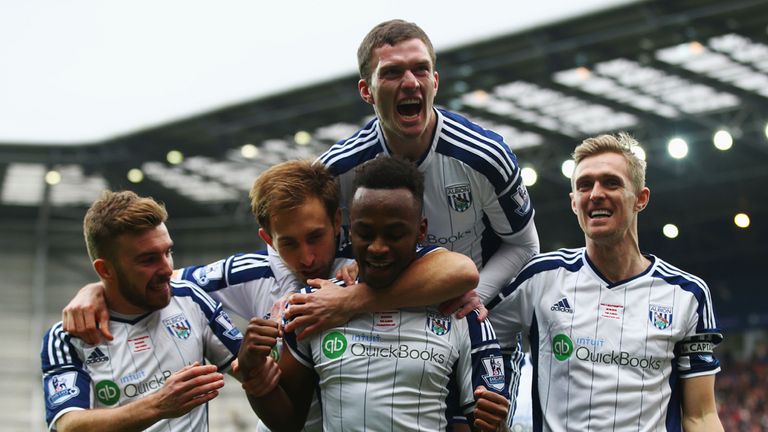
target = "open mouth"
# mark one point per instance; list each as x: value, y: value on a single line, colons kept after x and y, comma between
x: 409, y: 107
x: 601, y: 213
x: 160, y: 286
x: 378, y: 265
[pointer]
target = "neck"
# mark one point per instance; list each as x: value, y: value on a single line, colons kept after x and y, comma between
x: 412, y: 147
x: 116, y: 302
x: 617, y: 261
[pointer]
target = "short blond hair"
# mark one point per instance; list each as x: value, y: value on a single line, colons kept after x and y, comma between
x: 622, y: 144
x: 117, y: 213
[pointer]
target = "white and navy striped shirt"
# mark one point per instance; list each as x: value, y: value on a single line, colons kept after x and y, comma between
x: 248, y: 284
x: 608, y: 356
x: 394, y: 370
x: 474, y: 197
x: 470, y: 174
x: 145, y: 351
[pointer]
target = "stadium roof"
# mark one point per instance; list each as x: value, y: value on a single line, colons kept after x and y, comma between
x: 660, y: 70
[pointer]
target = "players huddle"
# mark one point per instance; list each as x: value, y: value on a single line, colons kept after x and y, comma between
x: 362, y: 310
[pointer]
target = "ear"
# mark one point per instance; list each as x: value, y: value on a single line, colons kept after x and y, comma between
x: 573, y: 202
x: 365, y: 92
x: 437, y: 80
x: 266, y: 237
x: 104, y: 269
x: 642, y: 199
x: 422, y: 231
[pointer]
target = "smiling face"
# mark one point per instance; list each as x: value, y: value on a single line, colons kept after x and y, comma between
x: 386, y: 225
x: 604, y: 200
x: 138, y: 278
x: 402, y: 89
x: 305, y: 238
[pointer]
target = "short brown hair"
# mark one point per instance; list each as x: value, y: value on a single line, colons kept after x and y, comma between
x: 389, y: 33
x: 621, y: 144
x: 288, y: 185
x: 116, y: 213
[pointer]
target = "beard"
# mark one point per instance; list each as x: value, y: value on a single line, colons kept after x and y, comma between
x: 154, y: 296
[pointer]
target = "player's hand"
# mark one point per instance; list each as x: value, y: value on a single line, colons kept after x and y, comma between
x: 186, y: 389
x: 491, y: 410
x: 86, y: 316
x: 263, y: 378
x: 348, y: 273
x: 325, y: 308
x: 260, y: 336
x: 463, y: 305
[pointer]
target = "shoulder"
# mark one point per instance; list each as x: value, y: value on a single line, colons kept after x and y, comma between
x: 675, y: 276
x: 545, y: 265
x: 457, y: 124
x: 353, y: 151
x: 58, y: 347
x: 236, y: 269
x: 479, y: 148
x: 188, y: 293
x: 570, y: 260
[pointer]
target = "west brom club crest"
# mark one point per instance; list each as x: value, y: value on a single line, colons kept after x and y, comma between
x: 660, y: 316
x: 178, y: 326
x: 438, y: 324
x: 459, y: 197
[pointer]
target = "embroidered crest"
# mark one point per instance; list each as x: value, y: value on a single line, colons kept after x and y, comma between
x: 178, y: 326
x: 438, y: 324
x: 228, y: 329
x: 62, y: 388
x: 494, y: 372
x: 522, y: 200
x: 459, y: 197
x: 660, y: 316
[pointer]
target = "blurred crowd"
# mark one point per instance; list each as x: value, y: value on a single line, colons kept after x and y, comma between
x: 742, y: 389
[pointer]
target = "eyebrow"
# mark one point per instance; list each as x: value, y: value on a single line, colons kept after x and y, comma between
x: 150, y: 253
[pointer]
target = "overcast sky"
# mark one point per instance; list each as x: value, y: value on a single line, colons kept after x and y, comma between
x: 81, y: 71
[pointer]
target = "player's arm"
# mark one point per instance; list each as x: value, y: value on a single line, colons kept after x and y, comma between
x: 86, y: 316
x: 513, y: 253
x: 436, y: 277
x: 280, y: 397
x: 483, y: 378
x: 183, y: 391
x: 699, y: 408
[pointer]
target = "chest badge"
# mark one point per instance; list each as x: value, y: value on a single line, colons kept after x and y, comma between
x: 438, y: 324
x: 660, y: 316
x: 459, y: 197
x: 178, y: 326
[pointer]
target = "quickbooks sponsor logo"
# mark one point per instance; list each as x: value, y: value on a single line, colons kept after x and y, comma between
x: 562, y: 347
x: 433, y: 239
x: 148, y: 386
x: 334, y: 345
x: 107, y: 392
x: 617, y: 358
x: 401, y: 351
